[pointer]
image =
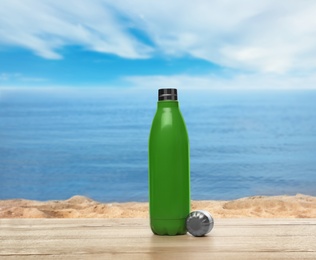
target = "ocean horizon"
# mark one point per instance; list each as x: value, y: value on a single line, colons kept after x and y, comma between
x: 55, y: 145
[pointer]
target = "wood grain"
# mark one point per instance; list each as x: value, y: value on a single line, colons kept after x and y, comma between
x: 132, y: 239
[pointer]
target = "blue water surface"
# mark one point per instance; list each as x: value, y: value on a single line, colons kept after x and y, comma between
x: 56, y: 145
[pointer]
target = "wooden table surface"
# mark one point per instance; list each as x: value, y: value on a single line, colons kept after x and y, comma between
x: 132, y: 239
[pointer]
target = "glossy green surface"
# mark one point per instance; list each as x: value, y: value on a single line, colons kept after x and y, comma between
x: 169, y: 171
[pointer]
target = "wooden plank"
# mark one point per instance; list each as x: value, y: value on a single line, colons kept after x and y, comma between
x: 132, y: 239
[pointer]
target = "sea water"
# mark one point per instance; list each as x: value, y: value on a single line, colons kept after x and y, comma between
x: 56, y: 144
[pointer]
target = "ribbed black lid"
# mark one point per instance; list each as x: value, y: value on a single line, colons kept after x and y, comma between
x: 167, y: 94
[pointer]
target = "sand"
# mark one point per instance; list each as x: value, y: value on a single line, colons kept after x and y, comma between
x: 299, y: 206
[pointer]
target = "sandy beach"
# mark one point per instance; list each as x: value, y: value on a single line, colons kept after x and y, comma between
x: 299, y: 206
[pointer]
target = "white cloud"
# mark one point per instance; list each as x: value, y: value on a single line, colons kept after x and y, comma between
x: 46, y: 26
x: 18, y: 77
x: 260, y: 36
x: 266, y: 36
x: 146, y: 84
x: 257, y: 81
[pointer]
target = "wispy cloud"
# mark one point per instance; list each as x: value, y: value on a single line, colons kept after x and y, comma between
x: 267, y: 37
x: 18, y: 77
x: 46, y: 26
x: 255, y: 82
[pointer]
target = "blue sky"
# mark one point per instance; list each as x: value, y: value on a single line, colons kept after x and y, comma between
x: 152, y: 44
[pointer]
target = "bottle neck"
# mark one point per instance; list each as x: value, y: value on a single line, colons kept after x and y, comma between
x: 167, y: 103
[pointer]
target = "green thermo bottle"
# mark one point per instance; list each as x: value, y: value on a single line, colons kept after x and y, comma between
x: 169, y: 167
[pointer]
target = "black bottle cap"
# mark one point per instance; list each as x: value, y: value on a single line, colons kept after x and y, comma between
x: 167, y: 94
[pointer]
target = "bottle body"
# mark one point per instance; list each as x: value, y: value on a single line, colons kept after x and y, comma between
x: 169, y: 170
